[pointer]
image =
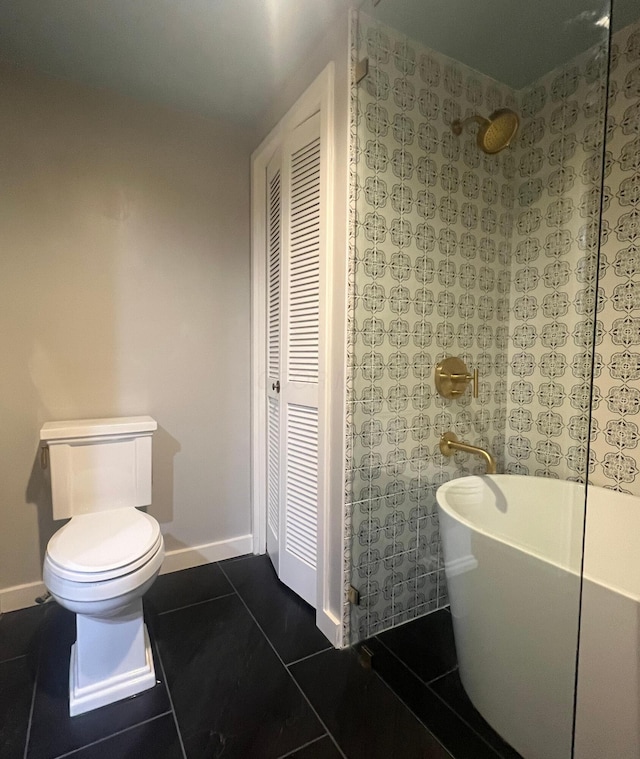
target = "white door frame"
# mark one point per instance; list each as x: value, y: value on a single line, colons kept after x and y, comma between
x: 332, y: 390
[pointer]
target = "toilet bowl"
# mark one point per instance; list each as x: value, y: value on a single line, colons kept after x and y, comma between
x: 99, y: 566
x: 102, y: 561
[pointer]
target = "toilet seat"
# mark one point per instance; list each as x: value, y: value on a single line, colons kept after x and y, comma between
x: 104, y: 545
x: 90, y: 588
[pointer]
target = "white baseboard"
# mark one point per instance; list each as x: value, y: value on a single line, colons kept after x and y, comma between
x: 185, y: 558
x: 330, y: 627
x: 22, y: 596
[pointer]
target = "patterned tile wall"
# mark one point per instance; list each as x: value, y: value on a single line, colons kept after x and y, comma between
x: 615, y: 434
x: 557, y: 187
x: 493, y: 259
x: 430, y: 277
x: 554, y: 273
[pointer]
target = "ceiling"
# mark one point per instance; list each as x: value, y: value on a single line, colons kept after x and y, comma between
x: 227, y: 58
x: 222, y: 58
x: 513, y: 41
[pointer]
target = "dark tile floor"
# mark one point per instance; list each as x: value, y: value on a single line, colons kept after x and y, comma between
x: 418, y: 662
x: 243, y: 672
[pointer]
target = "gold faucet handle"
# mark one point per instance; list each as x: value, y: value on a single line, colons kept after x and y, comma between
x: 452, y: 377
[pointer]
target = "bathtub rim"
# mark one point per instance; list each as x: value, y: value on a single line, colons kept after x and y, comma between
x: 586, y: 488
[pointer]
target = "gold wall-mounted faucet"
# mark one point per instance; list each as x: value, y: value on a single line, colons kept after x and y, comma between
x: 449, y: 444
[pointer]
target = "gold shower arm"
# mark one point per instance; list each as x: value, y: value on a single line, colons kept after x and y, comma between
x: 457, y: 126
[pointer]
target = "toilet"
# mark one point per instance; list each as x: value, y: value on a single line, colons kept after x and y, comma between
x: 102, y: 561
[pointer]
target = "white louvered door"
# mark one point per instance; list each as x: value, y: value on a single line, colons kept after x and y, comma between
x: 300, y: 359
x: 298, y: 368
x: 274, y: 292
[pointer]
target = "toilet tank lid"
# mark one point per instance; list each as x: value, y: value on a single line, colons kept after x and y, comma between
x: 80, y: 428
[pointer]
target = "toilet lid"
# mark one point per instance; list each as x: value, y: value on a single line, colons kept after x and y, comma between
x: 105, y: 541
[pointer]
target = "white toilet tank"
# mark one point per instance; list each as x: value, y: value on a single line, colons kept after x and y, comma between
x: 99, y: 464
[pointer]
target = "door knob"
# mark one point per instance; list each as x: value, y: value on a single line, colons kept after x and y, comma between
x: 276, y: 386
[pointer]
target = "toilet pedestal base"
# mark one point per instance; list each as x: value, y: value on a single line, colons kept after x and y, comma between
x: 110, y: 660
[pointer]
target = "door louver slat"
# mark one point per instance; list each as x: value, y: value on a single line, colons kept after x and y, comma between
x: 274, y: 253
x: 273, y: 465
x: 274, y: 242
x: 302, y: 483
x: 304, y: 280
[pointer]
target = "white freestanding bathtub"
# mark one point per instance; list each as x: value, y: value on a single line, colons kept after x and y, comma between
x: 513, y: 551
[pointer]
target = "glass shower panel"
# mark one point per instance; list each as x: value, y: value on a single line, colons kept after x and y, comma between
x: 608, y: 671
x: 469, y: 244
x: 434, y: 219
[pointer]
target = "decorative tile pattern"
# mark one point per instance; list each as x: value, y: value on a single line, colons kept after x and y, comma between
x: 494, y: 259
x: 354, y: 23
x: 430, y: 277
x: 615, y: 429
x: 557, y: 194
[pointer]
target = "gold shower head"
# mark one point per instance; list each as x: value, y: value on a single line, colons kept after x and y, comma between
x: 495, y: 133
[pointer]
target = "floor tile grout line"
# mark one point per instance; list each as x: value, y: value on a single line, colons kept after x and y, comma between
x: 464, y: 721
x: 308, y: 656
x: 131, y: 727
x: 33, y: 698
x: 108, y: 737
x: 12, y: 658
x: 233, y: 559
x: 402, y: 701
x: 410, y: 668
x: 143, y: 722
x: 33, y: 701
x: 296, y: 683
x: 439, y: 697
x: 428, y: 683
x: 170, y: 697
x: 196, y: 603
x: 439, y: 677
x: 294, y: 751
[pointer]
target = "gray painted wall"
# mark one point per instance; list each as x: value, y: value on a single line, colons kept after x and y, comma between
x: 124, y: 289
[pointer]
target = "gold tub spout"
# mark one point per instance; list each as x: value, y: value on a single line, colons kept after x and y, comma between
x: 449, y: 444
